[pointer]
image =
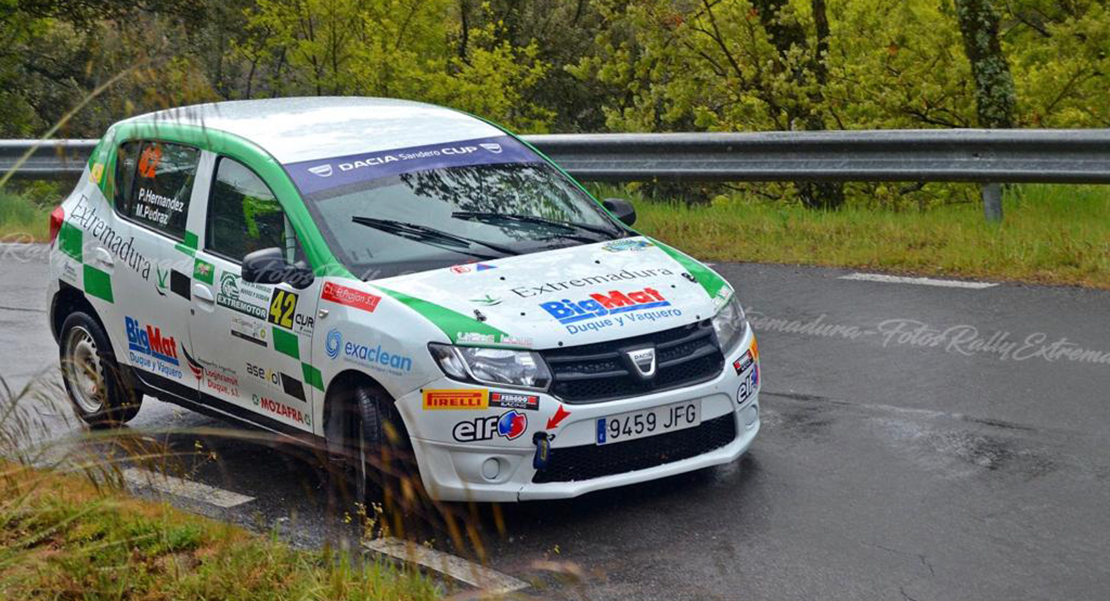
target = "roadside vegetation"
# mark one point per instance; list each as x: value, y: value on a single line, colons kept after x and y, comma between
x: 70, y: 530
x: 1050, y: 234
x: 25, y: 215
x: 63, y: 537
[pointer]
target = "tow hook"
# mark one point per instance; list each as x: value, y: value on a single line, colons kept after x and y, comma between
x: 542, y: 440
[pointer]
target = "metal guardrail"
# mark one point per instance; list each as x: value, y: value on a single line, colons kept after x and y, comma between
x: 987, y: 157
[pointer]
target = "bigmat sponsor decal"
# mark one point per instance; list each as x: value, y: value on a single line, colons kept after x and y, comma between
x: 345, y: 171
x: 612, y: 309
x: 150, y: 349
x: 466, y: 399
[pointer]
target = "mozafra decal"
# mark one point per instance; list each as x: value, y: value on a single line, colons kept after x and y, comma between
x: 317, y: 176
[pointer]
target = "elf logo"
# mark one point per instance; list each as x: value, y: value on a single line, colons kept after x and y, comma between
x: 149, y: 341
x: 600, y: 305
x: 510, y: 425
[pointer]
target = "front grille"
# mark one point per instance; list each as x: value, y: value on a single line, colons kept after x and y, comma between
x: 572, y: 464
x: 598, y: 372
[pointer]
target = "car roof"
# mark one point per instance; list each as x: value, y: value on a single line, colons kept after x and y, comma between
x: 311, y: 128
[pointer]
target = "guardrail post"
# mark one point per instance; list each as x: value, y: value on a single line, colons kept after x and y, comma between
x: 992, y: 202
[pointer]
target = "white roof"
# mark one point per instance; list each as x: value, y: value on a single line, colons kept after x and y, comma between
x: 303, y: 129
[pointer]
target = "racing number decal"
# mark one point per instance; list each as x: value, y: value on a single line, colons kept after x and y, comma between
x: 283, y: 305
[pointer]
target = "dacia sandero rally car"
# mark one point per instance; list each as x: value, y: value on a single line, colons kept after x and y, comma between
x: 337, y: 270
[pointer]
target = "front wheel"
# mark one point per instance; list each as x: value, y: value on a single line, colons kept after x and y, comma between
x: 91, y: 375
x: 381, y: 467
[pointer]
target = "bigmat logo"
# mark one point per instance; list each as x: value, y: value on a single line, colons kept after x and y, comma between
x: 149, y: 341
x: 600, y: 305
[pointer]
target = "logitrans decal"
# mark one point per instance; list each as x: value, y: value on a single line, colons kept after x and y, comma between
x: 612, y: 309
x: 511, y: 425
x: 623, y: 275
x: 374, y: 357
x: 320, y: 175
x: 244, y: 297
x: 214, y: 377
x: 86, y: 217
x: 149, y: 349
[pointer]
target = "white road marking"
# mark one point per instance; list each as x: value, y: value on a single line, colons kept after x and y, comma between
x: 184, y: 488
x: 489, y: 581
x: 893, y: 279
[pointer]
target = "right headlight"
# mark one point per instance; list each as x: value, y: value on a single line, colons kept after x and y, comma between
x: 492, y: 366
x: 730, y: 324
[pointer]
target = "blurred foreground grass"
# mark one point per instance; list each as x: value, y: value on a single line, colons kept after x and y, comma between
x: 1051, y: 234
x: 64, y: 537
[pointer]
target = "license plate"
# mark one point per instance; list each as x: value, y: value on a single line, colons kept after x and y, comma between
x: 648, y: 422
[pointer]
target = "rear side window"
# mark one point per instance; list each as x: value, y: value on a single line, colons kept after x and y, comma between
x: 126, y: 158
x: 155, y: 181
x: 244, y: 215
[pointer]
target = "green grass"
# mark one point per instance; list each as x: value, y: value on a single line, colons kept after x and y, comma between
x: 61, y: 537
x: 1050, y: 234
x: 21, y: 220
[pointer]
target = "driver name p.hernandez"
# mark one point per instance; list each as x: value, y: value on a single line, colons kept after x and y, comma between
x: 340, y: 269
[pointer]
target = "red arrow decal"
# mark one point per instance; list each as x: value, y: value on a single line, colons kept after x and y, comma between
x: 560, y: 415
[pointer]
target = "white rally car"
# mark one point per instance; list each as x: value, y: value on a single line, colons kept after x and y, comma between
x: 338, y: 269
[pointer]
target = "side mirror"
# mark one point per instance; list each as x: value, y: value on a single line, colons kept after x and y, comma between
x: 268, y: 266
x: 621, y: 209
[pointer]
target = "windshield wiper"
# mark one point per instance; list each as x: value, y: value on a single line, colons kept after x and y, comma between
x: 430, y: 235
x: 487, y: 217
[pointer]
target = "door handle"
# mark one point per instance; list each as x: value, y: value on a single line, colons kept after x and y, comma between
x: 104, y: 257
x: 203, y: 293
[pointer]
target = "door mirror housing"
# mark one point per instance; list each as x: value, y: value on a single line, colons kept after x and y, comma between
x: 268, y: 266
x: 621, y: 209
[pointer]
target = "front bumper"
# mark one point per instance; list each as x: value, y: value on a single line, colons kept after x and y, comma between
x: 500, y: 470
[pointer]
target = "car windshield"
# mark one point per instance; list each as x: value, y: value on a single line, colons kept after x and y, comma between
x: 384, y: 224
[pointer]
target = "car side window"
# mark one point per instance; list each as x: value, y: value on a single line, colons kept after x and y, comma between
x: 159, y: 195
x: 126, y: 157
x: 244, y: 215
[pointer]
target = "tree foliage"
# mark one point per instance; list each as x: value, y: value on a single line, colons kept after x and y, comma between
x: 575, y: 65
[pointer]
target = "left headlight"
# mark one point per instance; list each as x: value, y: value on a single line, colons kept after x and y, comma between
x: 730, y: 324
x: 499, y: 367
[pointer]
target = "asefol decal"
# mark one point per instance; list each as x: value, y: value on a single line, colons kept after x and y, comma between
x: 467, y: 399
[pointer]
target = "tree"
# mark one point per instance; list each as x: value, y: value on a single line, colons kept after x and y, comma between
x: 995, y: 98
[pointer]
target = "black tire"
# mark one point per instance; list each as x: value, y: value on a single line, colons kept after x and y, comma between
x: 379, y: 462
x: 97, y: 389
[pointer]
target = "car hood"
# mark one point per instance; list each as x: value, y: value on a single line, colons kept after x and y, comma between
x: 565, y: 297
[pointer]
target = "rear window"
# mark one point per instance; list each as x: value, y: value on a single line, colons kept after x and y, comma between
x: 155, y: 181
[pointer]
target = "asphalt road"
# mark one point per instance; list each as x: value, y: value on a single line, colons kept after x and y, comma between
x: 919, y: 443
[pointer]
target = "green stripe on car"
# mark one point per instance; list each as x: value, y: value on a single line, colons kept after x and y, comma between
x: 287, y: 343
x: 312, y: 376
x: 98, y: 283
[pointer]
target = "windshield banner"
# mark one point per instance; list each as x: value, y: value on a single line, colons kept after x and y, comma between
x: 317, y: 176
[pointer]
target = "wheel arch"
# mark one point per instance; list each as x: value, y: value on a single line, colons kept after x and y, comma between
x: 68, y: 300
x: 335, y: 427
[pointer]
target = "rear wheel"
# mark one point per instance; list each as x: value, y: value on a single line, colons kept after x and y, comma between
x: 91, y: 375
